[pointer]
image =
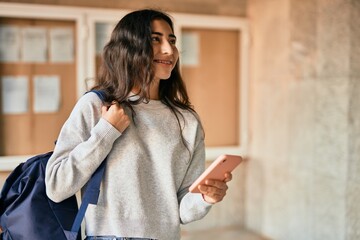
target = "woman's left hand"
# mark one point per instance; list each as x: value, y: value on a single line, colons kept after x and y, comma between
x: 214, y: 191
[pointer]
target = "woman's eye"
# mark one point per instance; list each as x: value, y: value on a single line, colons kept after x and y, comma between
x: 172, y: 41
x: 155, y: 39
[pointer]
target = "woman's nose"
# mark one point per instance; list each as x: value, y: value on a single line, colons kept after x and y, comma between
x: 166, y: 48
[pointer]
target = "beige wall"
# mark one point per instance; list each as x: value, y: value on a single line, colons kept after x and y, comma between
x: 302, y: 179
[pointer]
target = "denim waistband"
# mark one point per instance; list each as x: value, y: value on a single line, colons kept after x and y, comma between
x: 114, y: 238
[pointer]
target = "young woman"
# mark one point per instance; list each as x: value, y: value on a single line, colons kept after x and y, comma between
x: 147, y: 129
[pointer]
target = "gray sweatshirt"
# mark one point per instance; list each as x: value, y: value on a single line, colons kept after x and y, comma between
x: 144, y: 192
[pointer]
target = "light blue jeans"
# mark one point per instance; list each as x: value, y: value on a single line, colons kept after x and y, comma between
x: 114, y: 238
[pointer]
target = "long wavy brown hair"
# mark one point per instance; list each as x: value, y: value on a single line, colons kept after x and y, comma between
x: 127, y: 62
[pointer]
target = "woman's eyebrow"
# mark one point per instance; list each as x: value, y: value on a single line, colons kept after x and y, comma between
x: 161, y: 34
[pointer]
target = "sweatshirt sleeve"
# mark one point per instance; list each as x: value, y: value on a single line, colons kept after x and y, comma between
x: 192, y: 205
x: 84, y: 142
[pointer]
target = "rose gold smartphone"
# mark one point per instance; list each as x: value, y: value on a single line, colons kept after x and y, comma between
x: 223, y: 164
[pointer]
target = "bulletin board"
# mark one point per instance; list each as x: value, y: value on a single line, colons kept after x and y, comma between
x: 32, y: 131
x: 211, y: 77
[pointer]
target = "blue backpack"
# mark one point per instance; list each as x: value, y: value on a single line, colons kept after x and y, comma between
x: 27, y: 213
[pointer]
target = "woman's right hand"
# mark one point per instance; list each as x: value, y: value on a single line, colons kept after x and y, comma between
x: 116, y: 116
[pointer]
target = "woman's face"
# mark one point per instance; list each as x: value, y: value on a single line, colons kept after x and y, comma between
x: 165, y: 52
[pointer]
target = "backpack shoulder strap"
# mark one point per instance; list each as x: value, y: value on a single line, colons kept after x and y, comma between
x: 91, y: 195
x: 100, y: 94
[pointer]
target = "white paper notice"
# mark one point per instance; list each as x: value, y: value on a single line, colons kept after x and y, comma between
x: 34, y: 44
x: 46, y: 94
x: 190, y: 49
x: 61, y: 45
x: 15, y: 94
x: 9, y: 43
x: 103, y: 33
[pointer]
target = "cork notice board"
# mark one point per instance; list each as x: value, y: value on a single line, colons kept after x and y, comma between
x: 212, y: 81
x: 32, y: 132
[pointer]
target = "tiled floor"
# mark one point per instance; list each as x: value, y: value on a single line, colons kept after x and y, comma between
x: 223, y: 234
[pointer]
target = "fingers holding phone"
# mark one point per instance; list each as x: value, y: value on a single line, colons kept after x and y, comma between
x: 228, y: 177
x: 214, y: 191
x: 212, y: 183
